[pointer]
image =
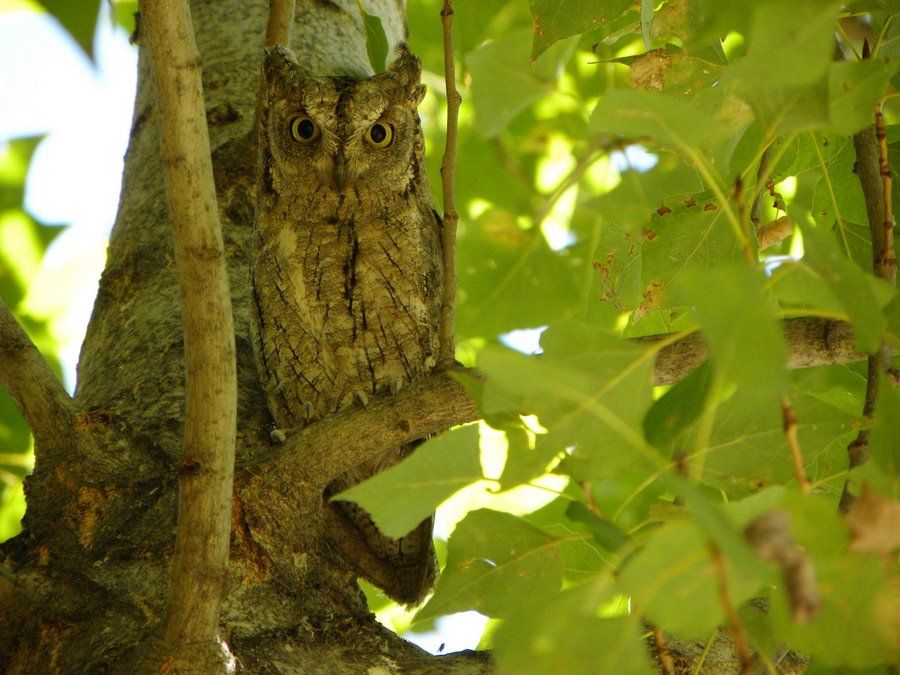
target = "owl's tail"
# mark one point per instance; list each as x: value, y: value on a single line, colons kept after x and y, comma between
x: 403, y: 568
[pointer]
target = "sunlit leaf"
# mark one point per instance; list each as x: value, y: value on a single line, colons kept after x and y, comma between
x: 679, y: 407
x: 496, y: 563
x: 415, y: 489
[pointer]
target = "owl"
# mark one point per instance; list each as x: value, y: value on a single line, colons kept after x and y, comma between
x: 347, y: 274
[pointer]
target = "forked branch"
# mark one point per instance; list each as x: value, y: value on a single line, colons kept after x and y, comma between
x: 37, y: 393
x: 189, y: 639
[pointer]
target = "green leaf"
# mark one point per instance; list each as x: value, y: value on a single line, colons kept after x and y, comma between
x: 496, y: 563
x: 882, y: 471
x: 679, y: 407
x: 558, y: 19
x: 78, y: 18
x: 647, y: 7
x: 854, y: 89
x: 690, y: 232
x: 674, y: 122
x: 674, y: 580
x: 566, y: 636
x: 745, y: 341
x: 504, y: 82
x: 124, y: 12
x: 511, y: 279
x: 590, y: 388
x: 748, y: 448
x: 850, y: 285
x: 415, y: 488
x: 376, y: 39
x: 606, y: 534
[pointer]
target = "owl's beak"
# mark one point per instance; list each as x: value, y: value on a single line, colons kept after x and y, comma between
x: 340, y: 173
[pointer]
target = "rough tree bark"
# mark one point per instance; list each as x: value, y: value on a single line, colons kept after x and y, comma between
x: 86, y: 583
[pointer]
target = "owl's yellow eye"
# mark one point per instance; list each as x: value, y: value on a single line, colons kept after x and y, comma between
x: 304, y: 129
x: 380, y: 135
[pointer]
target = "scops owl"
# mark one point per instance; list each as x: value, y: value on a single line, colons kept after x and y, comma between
x: 347, y: 273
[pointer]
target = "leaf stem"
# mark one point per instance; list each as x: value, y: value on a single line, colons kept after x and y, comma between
x: 789, y: 419
x: 737, y: 627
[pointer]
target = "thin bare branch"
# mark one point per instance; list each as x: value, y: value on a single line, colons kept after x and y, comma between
x: 39, y: 396
x: 666, y: 663
x: 874, y: 173
x: 734, y: 621
x: 448, y: 175
x: 190, y: 635
x: 789, y: 419
x: 760, y: 185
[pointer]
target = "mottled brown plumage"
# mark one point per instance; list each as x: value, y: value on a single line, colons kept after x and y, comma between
x: 347, y: 273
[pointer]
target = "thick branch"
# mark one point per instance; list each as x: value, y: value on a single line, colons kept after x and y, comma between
x: 327, y: 448
x: 39, y: 396
x: 810, y: 342
x: 189, y: 638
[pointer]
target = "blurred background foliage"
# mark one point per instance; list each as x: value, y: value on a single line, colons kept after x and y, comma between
x: 610, y: 157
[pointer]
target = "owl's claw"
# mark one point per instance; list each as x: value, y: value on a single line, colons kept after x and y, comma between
x: 360, y: 397
x: 396, y: 385
x: 277, y: 436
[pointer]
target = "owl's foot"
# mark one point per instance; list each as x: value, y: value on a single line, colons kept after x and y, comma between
x: 395, y: 386
x: 360, y: 397
x: 277, y: 436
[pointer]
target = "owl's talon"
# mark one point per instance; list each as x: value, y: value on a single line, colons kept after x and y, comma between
x: 360, y: 397
x: 396, y: 385
x: 277, y: 436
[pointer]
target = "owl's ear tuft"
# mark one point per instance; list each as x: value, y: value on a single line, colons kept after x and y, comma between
x: 405, y: 72
x: 279, y: 64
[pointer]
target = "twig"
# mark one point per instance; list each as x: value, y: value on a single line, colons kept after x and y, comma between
x: 662, y: 652
x: 448, y: 174
x: 734, y: 621
x: 189, y: 638
x: 874, y: 173
x: 790, y: 431
x: 39, y: 396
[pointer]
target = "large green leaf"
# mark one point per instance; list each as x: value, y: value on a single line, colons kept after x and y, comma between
x: 496, y: 564
x: 589, y: 388
x: 78, y: 18
x: 558, y: 19
x: 567, y: 636
x: 675, y: 581
x: 854, y: 89
x: 850, y: 285
x: 400, y: 498
x: 503, y: 82
x: 674, y: 122
x: 686, y: 233
x: 738, y: 322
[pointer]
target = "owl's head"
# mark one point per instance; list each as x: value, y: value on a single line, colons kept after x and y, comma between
x: 339, y: 132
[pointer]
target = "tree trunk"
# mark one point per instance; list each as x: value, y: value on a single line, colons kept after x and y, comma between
x: 84, y: 586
